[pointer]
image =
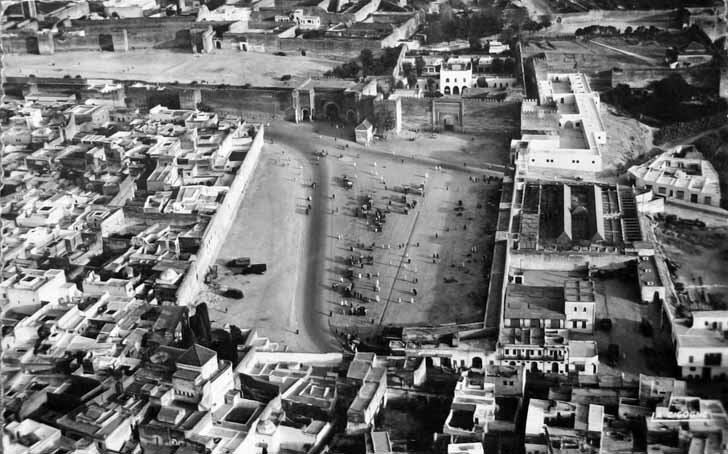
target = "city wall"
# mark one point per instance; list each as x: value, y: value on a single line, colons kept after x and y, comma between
x: 270, y: 102
x: 478, y: 116
x: 114, y: 35
x: 217, y: 230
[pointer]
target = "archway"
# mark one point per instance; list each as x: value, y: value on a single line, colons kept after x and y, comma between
x: 306, y: 114
x: 456, y: 90
x: 351, y: 116
x: 594, y: 369
x: 448, y: 123
x: 463, y: 90
x: 218, y: 44
x: 534, y: 367
x: 332, y: 111
x: 477, y: 363
x: 447, y: 90
x: 106, y: 42
x: 555, y: 368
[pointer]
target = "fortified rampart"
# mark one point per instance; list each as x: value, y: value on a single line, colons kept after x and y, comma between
x: 220, y: 224
x: 110, y: 35
x: 478, y: 116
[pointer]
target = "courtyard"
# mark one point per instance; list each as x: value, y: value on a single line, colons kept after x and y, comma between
x: 428, y: 264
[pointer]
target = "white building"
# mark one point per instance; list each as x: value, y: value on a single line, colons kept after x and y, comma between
x: 473, y: 407
x: 30, y: 437
x: 561, y: 130
x: 536, y: 326
x: 701, y: 348
x: 687, y: 179
x: 456, y: 76
x: 33, y: 287
x: 651, y: 286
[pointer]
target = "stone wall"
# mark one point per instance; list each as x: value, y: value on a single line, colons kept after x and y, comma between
x: 325, y: 46
x: 217, y: 230
x: 478, y: 116
x: 112, y: 35
x: 272, y: 102
x: 264, y: 102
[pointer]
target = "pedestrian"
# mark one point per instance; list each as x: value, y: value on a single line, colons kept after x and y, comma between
x: 436, y: 235
x: 296, y: 331
x: 331, y: 313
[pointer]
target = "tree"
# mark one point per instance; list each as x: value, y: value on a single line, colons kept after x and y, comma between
x: 431, y: 84
x: 367, y: 59
x: 497, y: 65
x: 419, y: 65
x: 475, y: 44
x: 412, y: 80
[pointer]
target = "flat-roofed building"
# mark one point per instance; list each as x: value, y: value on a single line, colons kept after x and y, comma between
x: 681, y: 177
x: 563, y: 129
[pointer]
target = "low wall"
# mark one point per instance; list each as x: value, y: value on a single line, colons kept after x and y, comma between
x: 218, y: 228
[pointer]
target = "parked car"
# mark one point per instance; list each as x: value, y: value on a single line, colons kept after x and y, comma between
x: 256, y: 268
x: 240, y: 262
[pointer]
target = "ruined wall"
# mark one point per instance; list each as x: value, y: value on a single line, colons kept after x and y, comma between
x: 218, y: 228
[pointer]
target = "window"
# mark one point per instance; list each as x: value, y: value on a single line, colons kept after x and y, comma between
x: 706, y: 200
x: 680, y: 195
x: 712, y: 359
x: 584, y: 309
x: 447, y: 80
x: 690, y: 358
x: 661, y: 190
x: 576, y: 309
